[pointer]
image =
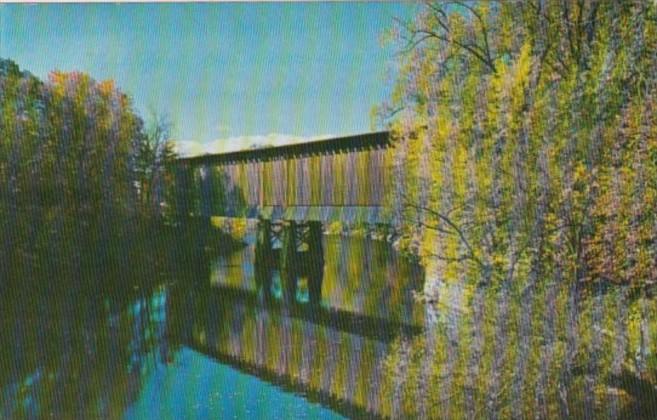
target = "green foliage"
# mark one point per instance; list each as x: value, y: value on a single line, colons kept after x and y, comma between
x: 526, y: 138
x: 526, y: 170
x: 76, y: 163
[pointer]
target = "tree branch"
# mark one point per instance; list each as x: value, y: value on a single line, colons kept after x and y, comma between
x: 459, y: 232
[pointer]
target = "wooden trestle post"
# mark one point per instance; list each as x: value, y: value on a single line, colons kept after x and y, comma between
x: 289, y: 262
x: 183, y: 192
x: 264, y: 258
x: 315, y: 261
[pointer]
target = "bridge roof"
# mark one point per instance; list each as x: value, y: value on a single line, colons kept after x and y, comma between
x: 374, y: 140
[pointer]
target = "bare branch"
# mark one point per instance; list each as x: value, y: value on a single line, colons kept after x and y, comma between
x: 419, y: 35
x: 483, y: 25
x: 459, y: 232
x: 472, y: 49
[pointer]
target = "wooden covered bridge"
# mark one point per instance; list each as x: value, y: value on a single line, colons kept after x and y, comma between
x: 292, y: 190
x: 336, y: 179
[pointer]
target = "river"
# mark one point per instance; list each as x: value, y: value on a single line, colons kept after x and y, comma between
x: 201, y: 342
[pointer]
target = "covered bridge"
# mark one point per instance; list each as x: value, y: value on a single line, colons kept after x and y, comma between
x: 336, y: 179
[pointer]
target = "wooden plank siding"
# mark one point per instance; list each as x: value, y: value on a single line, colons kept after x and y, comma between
x: 343, y: 178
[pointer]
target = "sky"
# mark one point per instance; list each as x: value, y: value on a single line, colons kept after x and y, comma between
x: 227, y: 74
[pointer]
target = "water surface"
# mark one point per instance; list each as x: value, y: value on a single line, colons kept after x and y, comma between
x: 203, y: 343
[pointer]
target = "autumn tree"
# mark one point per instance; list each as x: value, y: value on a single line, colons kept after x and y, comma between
x: 525, y: 181
x: 75, y: 159
x: 154, y: 156
x: 521, y: 125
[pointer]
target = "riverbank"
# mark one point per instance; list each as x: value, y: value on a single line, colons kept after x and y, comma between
x: 81, y: 260
x: 547, y: 350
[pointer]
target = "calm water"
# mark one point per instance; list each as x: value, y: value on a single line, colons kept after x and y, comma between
x: 205, y: 344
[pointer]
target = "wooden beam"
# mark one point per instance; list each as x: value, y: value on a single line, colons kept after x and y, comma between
x: 347, y: 144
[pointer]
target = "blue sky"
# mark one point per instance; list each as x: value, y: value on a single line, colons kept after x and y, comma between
x: 221, y: 70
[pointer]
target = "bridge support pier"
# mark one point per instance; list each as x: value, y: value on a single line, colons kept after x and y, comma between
x: 289, y: 262
x: 264, y: 258
x: 301, y: 254
x: 315, y: 261
x: 184, y: 181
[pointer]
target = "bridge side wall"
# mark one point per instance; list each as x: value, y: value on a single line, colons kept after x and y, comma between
x: 339, y: 180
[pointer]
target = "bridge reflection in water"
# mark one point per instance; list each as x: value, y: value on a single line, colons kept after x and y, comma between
x: 111, y: 351
x: 329, y: 347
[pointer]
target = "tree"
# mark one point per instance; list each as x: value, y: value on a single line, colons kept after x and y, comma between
x: 517, y: 133
x: 76, y: 162
x: 155, y: 154
x: 526, y: 172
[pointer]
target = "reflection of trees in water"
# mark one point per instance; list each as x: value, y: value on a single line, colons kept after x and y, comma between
x: 360, y: 275
x: 365, y: 276
x: 332, y: 350
x: 69, y: 357
x: 99, y: 352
